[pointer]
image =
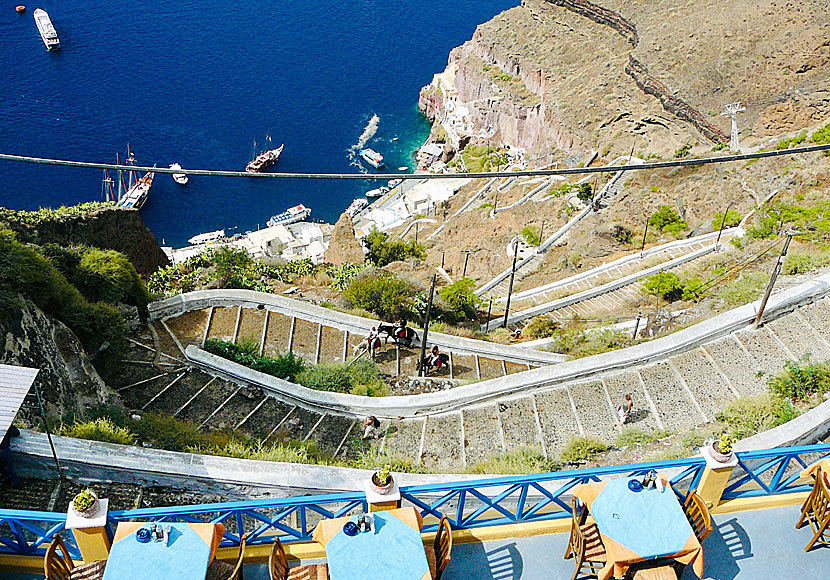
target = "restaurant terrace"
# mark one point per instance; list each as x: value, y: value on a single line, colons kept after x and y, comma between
x: 754, y: 514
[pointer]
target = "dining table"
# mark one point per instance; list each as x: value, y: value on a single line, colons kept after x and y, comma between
x: 185, y: 556
x: 392, y: 550
x: 638, y: 525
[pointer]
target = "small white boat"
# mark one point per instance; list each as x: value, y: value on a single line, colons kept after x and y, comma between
x: 207, y: 238
x: 371, y: 157
x: 47, y: 30
x: 357, y: 205
x: 394, y: 183
x: 180, y: 178
x: 377, y: 192
x: 293, y: 214
x: 403, y: 167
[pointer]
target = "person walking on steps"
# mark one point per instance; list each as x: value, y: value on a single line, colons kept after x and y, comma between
x: 372, y: 429
x: 625, y: 409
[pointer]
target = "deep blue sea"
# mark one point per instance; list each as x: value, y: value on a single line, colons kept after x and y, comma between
x: 198, y: 82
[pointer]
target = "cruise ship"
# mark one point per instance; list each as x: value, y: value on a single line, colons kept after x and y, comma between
x: 293, y: 214
x: 47, y: 30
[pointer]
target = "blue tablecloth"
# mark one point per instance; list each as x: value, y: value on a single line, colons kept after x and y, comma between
x: 392, y: 551
x: 185, y: 558
x: 620, y: 514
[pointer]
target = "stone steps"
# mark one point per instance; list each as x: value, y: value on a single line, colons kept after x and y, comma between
x: 681, y: 392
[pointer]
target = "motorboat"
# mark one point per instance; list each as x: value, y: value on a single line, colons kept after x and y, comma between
x: 180, y: 178
x: 356, y: 206
x: 371, y: 157
x: 207, y: 237
x: 47, y: 29
x: 377, y: 192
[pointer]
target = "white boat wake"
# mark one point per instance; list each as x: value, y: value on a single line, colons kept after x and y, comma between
x: 368, y: 132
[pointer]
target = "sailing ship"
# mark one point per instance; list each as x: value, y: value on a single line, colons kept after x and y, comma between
x: 47, y: 30
x: 371, y: 157
x: 135, y: 192
x: 293, y: 214
x: 264, y: 160
x: 180, y: 178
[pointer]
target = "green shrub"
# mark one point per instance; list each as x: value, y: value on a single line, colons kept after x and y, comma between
x: 541, y: 327
x: 462, y: 302
x: 362, y: 375
x: 585, y: 193
x: 743, y: 289
x: 260, y: 451
x: 792, y: 141
x: 774, y: 216
x: 107, y: 275
x: 622, y: 234
x: 97, y: 326
x: 753, y: 414
x: 166, y: 432
x: 101, y: 429
x: 518, y: 461
x: 683, y: 151
x: 721, y: 146
x: 383, y: 251
x: 386, y: 295
x: 397, y: 463
x: 582, y: 449
x: 45, y: 215
x: 801, y: 379
x: 283, y: 366
x: 692, y: 288
x: 666, y: 285
x: 666, y: 219
x: 531, y: 235
x: 822, y: 137
x: 732, y: 219
x: 342, y: 274
x: 632, y: 436
x: 800, y: 262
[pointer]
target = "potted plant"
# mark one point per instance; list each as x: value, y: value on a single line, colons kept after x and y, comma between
x: 721, y: 449
x: 382, y: 480
x: 85, y: 503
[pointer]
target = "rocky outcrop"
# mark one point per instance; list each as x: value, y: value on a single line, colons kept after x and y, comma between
x: 602, y: 16
x: 344, y: 247
x: 672, y: 103
x: 108, y: 228
x: 29, y: 337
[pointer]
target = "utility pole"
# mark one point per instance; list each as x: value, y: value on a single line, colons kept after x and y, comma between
x: 489, y: 311
x: 542, y: 232
x: 775, y: 270
x: 722, y: 224
x: 466, y: 259
x: 48, y: 432
x: 645, y: 234
x: 421, y: 369
x: 510, y: 288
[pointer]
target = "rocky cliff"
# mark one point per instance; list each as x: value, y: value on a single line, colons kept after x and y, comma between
x: 30, y: 337
x: 574, y: 75
x: 109, y: 228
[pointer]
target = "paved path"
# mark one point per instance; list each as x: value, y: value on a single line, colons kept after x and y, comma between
x: 677, y: 393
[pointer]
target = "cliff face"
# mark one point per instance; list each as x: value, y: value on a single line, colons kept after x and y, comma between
x: 648, y: 74
x: 107, y: 228
x: 29, y: 337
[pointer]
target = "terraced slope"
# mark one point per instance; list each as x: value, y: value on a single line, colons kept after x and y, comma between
x: 676, y: 393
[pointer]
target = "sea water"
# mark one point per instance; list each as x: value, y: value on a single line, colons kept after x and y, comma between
x: 197, y: 82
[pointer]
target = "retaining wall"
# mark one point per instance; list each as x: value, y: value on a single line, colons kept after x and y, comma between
x: 177, y: 305
x: 480, y: 393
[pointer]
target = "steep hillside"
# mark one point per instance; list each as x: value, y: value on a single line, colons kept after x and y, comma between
x: 650, y: 75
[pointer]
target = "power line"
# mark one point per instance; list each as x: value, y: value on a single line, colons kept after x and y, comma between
x: 371, y: 176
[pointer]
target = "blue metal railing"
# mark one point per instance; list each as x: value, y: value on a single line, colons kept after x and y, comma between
x: 468, y: 504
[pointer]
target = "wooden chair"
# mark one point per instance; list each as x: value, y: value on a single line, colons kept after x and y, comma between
x: 61, y: 567
x: 817, y: 514
x: 219, y: 570
x: 278, y: 567
x: 698, y: 515
x: 438, y: 555
x: 585, y: 544
x: 664, y: 572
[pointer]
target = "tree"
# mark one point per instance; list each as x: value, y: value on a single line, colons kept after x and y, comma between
x: 585, y: 193
x: 732, y: 219
x: 382, y: 251
x: 666, y: 285
x: 666, y: 219
x: 460, y: 298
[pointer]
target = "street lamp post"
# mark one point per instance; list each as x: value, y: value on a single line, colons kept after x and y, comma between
x: 722, y: 224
